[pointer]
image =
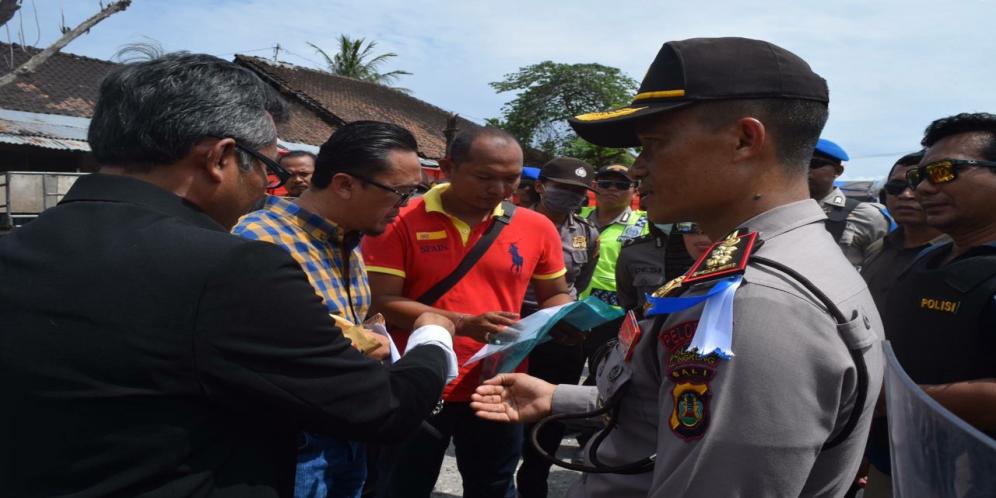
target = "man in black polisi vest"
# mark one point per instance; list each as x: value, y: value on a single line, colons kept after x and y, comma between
x: 941, y: 314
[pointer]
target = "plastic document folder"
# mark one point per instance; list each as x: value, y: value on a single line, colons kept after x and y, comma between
x: 535, y: 329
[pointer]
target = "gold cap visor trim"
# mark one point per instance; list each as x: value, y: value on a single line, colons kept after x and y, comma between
x: 660, y: 94
x: 600, y: 116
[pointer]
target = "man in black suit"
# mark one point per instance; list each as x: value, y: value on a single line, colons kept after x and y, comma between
x: 145, y: 351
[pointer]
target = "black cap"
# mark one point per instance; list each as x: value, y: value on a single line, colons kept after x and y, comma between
x: 568, y: 171
x: 613, y: 170
x: 704, y: 69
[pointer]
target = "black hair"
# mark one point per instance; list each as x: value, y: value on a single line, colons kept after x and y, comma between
x: 911, y: 159
x: 151, y: 113
x: 459, y: 150
x: 298, y: 153
x: 794, y: 125
x: 360, y: 148
x: 977, y: 122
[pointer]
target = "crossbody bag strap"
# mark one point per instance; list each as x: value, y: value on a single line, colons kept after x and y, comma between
x: 483, y: 244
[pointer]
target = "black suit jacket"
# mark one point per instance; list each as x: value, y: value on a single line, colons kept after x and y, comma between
x: 148, y: 352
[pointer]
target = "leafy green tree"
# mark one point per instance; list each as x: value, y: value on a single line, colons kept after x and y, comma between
x: 549, y: 93
x: 597, y: 156
x: 355, y: 59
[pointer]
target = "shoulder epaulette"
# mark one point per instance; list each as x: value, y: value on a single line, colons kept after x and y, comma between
x: 724, y: 258
x: 636, y: 240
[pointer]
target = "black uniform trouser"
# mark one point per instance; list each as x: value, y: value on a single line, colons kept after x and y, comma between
x: 558, y: 364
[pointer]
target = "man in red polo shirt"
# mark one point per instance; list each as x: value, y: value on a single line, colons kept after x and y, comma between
x: 424, y: 245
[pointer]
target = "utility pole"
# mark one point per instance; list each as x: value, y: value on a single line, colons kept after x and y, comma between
x: 276, y: 52
x: 450, y: 131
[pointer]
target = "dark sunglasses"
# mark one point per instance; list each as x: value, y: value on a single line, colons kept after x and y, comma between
x: 819, y: 163
x: 280, y: 175
x: 943, y: 171
x: 404, y: 193
x: 895, y: 187
x: 686, y: 228
x: 618, y: 185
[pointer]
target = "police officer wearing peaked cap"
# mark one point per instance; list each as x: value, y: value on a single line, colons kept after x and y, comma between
x: 562, y: 186
x: 647, y: 262
x: 617, y: 222
x: 773, y: 400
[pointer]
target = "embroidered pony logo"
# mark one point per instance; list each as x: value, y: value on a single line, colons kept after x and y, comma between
x: 516, y: 258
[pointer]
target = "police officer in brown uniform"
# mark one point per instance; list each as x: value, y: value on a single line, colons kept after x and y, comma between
x: 853, y: 224
x: 647, y: 262
x: 757, y: 382
x: 562, y: 186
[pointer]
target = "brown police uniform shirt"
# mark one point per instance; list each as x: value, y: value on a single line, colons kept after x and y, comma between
x: 753, y: 425
x: 580, y: 242
x: 865, y: 225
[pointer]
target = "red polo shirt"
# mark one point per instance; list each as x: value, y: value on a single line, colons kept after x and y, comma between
x: 425, y: 244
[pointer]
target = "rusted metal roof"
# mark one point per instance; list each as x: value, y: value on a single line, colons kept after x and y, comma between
x: 44, y: 130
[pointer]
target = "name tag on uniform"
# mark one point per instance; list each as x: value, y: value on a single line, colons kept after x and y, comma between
x: 629, y: 334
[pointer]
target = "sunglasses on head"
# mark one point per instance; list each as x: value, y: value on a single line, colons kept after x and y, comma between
x: 616, y: 184
x: 943, y: 171
x: 895, y: 187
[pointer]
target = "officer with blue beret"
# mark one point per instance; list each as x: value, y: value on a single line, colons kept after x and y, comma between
x: 855, y: 225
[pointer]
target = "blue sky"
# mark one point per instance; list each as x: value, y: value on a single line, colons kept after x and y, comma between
x: 892, y: 66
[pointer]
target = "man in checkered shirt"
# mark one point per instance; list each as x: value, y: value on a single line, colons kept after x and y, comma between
x: 363, y: 175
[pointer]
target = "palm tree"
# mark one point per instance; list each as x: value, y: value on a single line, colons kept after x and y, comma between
x: 353, y: 61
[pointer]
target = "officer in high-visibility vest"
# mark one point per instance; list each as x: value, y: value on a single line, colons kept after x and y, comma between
x: 616, y: 222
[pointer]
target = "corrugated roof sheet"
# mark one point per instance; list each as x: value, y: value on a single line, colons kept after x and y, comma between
x: 44, y: 130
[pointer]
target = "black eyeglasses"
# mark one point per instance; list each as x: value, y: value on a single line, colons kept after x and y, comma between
x: 403, y: 195
x: 895, y: 187
x: 274, y: 168
x: 618, y: 185
x: 943, y: 171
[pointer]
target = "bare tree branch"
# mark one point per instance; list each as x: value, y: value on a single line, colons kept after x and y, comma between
x: 38, y: 59
x: 7, y: 10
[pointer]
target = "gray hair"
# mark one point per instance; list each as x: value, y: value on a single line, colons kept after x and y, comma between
x: 152, y: 113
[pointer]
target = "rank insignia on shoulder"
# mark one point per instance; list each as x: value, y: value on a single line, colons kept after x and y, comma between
x: 724, y: 258
x: 669, y: 287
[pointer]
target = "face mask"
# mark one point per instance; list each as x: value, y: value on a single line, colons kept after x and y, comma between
x: 558, y: 200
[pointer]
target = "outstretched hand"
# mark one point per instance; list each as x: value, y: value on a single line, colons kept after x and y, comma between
x: 483, y: 326
x: 513, y: 398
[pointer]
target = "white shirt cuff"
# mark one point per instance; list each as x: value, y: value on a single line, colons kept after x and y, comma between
x: 436, y: 335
